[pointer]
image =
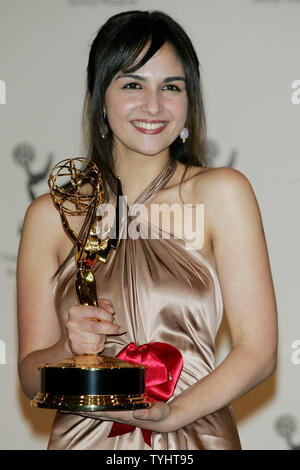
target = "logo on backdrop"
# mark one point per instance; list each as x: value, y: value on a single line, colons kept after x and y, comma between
x: 2, y: 352
x: 295, y: 357
x: 295, y: 97
x: 213, y: 154
x: 24, y: 155
x: 286, y: 425
x: 2, y: 92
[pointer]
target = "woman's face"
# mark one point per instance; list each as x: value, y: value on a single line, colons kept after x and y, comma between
x: 147, y: 109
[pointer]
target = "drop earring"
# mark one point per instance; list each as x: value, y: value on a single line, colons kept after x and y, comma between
x: 104, y: 118
x: 184, y: 134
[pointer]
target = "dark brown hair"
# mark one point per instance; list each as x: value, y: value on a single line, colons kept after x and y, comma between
x: 115, y: 48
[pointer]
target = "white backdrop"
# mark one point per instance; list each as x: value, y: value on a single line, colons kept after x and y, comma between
x: 249, y: 55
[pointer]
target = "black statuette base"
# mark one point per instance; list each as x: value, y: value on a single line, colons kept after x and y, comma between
x: 91, y: 389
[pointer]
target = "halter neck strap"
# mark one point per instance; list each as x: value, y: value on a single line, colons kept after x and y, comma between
x: 158, y: 183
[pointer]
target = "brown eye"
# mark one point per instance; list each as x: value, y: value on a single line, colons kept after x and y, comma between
x: 172, y: 88
x: 132, y: 86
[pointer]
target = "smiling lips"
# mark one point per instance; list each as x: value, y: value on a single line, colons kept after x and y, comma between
x: 149, y: 127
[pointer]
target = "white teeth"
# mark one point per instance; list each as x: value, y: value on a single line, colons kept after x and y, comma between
x: 149, y: 126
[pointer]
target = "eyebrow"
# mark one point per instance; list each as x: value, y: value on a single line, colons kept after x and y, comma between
x: 143, y: 79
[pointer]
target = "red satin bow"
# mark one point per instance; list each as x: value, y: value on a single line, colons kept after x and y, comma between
x: 164, y: 364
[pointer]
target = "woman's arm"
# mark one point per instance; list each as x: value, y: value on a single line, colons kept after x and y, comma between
x: 41, y: 338
x: 246, y: 282
x: 249, y: 300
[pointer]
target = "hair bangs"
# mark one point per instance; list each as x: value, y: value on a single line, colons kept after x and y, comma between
x: 149, y: 41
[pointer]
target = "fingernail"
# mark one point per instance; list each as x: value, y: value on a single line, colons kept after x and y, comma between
x: 108, y: 306
x: 121, y: 330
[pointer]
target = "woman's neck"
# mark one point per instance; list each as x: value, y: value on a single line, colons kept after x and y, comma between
x: 137, y: 171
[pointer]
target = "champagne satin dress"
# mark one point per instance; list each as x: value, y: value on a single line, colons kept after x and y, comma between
x: 162, y: 290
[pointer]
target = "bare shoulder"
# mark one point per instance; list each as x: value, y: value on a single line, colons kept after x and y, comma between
x: 230, y: 201
x: 227, y: 197
x: 205, y: 184
x: 42, y: 221
x: 225, y: 186
x: 42, y: 213
x: 43, y: 225
x: 40, y: 204
x: 221, y: 178
x: 227, y: 179
x: 220, y: 187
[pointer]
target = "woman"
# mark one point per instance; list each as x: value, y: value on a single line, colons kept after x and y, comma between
x: 143, y: 99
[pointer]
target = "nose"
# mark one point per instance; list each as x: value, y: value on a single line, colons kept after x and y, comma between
x: 152, y: 102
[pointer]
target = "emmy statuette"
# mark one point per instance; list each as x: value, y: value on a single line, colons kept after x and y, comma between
x: 90, y: 382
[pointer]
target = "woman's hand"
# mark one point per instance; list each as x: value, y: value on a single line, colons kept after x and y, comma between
x: 88, y: 326
x: 160, y: 417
